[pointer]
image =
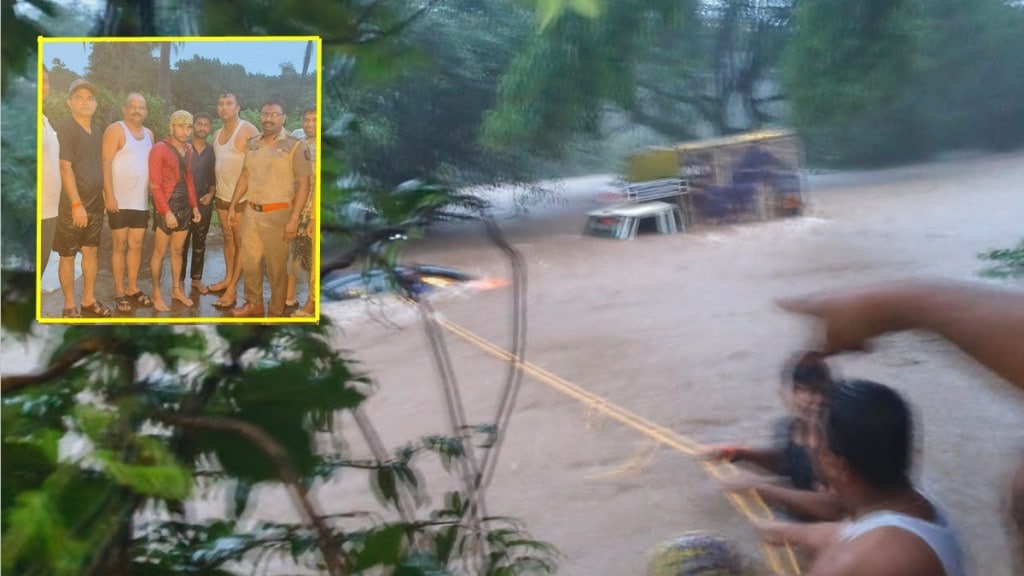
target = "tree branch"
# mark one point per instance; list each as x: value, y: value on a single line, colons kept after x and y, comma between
x: 57, y: 367
x: 334, y: 556
x: 401, y: 25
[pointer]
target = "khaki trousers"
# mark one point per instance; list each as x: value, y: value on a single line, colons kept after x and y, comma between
x: 263, y: 239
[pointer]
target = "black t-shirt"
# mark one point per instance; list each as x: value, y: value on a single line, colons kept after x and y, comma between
x: 203, y: 171
x: 85, y: 152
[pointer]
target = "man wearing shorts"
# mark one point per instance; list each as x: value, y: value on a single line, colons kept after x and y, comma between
x: 276, y: 178
x: 126, y: 146
x: 205, y: 181
x: 229, y: 145
x: 80, y: 214
x: 174, y: 199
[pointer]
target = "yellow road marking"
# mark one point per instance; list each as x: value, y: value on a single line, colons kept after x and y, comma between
x: 661, y: 434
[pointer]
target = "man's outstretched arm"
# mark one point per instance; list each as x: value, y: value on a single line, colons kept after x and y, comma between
x: 984, y: 321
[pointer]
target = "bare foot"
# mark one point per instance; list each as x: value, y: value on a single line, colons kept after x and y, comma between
x: 158, y: 304
x: 180, y: 297
x: 219, y: 286
x: 227, y: 300
x: 202, y: 288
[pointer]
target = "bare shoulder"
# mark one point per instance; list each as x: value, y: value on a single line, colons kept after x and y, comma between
x: 249, y: 129
x: 881, y: 552
x: 246, y: 132
x: 113, y: 131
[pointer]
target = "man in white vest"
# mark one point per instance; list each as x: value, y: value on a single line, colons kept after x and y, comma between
x: 50, y: 198
x: 229, y: 144
x: 126, y: 146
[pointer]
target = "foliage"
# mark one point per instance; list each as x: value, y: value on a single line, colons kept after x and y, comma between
x: 424, y: 120
x: 557, y: 86
x: 123, y: 67
x: 894, y: 82
x: 1009, y: 262
x: 118, y: 68
x: 108, y: 110
x: 17, y: 204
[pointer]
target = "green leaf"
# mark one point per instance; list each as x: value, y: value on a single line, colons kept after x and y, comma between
x: 444, y: 542
x: 381, y: 546
x: 38, y: 534
x: 17, y: 305
x: 25, y: 466
x: 278, y: 397
x: 94, y: 421
x: 548, y: 11
x: 241, y: 496
x: 385, y: 486
x: 163, y: 478
x: 586, y: 8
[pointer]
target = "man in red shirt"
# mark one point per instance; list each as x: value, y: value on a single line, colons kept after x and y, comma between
x: 174, y: 199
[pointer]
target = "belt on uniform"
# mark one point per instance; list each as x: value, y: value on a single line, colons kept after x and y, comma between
x: 269, y: 207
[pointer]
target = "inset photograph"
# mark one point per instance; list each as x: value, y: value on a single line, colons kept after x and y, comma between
x: 178, y: 180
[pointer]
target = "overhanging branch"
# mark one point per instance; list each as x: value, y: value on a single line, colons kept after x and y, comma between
x: 334, y: 556
x: 65, y: 361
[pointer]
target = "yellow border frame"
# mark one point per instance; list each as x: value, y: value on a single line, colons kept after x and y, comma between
x: 315, y: 273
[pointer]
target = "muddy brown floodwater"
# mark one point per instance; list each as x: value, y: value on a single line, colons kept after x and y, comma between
x: 682, y: 330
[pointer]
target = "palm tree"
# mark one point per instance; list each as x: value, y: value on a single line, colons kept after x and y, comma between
x: 306, y: 61
x: 165, y: 75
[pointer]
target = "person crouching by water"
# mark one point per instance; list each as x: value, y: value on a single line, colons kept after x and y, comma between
x: 799, y: 493
x: 174, y: 199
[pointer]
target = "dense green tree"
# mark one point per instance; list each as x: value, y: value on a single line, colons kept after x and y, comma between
x: 196, y: 83
x: 123, y: 67
x: 61, y: 76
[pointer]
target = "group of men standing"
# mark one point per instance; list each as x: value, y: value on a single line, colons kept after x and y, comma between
x: 259, y: 181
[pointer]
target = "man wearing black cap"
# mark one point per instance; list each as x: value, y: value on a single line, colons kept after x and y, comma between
x: 80, y: 214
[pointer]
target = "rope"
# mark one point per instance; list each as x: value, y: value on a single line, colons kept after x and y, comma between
x: 661, y: 434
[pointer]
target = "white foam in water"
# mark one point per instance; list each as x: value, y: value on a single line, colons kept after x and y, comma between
x: 764, y: 229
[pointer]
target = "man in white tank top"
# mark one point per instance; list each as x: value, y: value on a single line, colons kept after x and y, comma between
x: 863, y: 452
x: 50, y: 198
x: 229, y: 144
x: 126, y: 147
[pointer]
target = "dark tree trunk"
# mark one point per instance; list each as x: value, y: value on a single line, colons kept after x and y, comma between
x: 165, y: 76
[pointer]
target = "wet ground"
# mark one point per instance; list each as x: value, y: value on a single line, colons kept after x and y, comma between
x: 213, y: 271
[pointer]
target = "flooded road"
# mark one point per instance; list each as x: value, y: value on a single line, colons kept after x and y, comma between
x: 683, y: 331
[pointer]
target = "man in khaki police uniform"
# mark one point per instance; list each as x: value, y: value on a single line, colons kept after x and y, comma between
x: 275, y: 180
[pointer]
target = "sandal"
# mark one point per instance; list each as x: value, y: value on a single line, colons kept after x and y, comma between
x: 140, y: 299
x: 96, y: 310
x: 70, y: 313
x: 123, y: 304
